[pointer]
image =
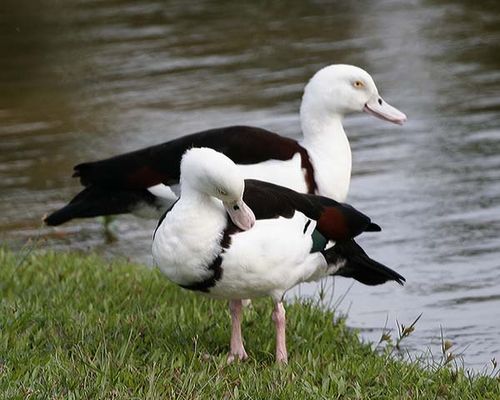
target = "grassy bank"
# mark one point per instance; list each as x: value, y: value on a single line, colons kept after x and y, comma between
x: 79, y: 327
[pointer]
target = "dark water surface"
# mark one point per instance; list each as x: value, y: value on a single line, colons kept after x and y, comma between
x: 82, y: 80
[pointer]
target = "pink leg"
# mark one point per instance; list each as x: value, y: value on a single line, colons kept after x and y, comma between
x: 237, y: 349
x: 280, y: 324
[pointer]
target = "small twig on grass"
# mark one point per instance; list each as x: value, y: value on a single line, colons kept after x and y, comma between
x: 405, y: 331
x: 446, y: 356
x: 29, y: 246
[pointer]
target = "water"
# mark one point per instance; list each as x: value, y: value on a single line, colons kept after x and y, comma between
x: 82, y: 80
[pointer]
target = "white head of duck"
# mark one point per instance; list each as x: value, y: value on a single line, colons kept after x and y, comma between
x: 207, y: 172
x: 341, y: 89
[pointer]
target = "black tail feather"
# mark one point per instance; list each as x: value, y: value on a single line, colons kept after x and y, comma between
x: 358, y: 265
x: 96, y: 201
x: 373, y: 227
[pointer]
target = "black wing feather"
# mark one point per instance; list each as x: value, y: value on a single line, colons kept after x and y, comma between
x: 336, y: 221
x: 161, y: 163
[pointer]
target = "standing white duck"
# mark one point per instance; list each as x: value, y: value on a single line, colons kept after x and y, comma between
x: 320, y: 163
x: 204, y: 242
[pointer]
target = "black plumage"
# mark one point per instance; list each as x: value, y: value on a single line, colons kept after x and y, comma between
x: 336, y: 221
x: 358, y: 265
x: 96, y: 201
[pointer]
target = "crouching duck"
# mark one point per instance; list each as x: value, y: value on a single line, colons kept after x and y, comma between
x: 235, y: 239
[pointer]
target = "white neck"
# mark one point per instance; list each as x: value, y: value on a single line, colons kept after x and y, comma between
x: 192, y: 194
x: 328, y: 148
x: 198, y: 202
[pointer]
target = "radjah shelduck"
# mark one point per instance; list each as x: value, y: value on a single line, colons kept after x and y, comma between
x: 146, y: 182
x: 234, y: 239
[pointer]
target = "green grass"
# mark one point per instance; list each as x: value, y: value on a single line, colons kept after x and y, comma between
x: 80, y: 327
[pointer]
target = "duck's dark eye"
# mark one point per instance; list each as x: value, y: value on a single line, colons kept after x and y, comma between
x: 380, y: 101
x: 236, y: 208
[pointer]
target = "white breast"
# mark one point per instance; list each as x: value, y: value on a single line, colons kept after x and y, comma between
x: 187, y: 241
x: 331, y: 158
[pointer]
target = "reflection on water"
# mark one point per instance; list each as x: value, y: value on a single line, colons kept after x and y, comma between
x: 82, y: 80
